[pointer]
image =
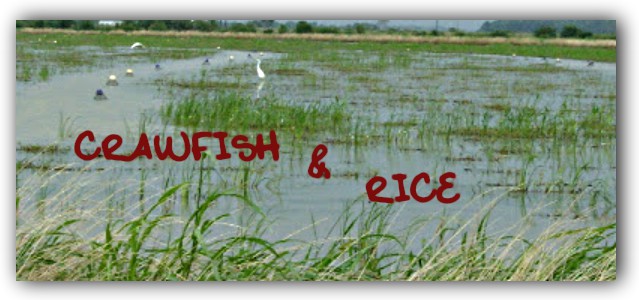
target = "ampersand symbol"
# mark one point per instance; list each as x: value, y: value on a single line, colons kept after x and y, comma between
x: 317, y: 168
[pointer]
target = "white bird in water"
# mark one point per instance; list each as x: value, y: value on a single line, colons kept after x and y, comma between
x: 260, y: 73
x: 137, y: 45
x: 231, y: 58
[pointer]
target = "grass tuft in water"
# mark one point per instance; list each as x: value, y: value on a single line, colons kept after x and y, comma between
x: 231, y: 112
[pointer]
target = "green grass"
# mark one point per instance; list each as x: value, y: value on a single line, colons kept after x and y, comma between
x: 231, y: 112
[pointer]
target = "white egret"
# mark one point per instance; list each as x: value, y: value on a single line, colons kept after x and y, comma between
x: 558, y: 59
x: 137, y: 45
x: 260, y: 73
x: 129, y: 72
x: 231, y: 58
x: 261, y: 53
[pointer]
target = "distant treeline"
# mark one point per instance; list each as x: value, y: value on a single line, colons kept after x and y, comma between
x: 601, y: 27
x: 542, y: 29
x: 264, y: 26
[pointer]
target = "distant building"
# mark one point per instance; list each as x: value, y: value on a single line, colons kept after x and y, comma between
x: 109, y: 23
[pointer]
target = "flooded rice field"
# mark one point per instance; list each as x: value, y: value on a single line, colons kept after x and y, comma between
x: 532, y: 140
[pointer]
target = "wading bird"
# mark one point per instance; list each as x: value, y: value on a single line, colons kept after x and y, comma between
x: 260, y: 73
x: 137, y: 45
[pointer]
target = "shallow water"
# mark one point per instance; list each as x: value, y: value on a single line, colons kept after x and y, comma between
x: 284, y: 190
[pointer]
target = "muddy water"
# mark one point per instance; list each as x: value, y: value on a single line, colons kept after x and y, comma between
x: 285, y: 191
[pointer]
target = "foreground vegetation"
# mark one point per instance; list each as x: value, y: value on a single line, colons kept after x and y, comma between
x: 72, y: 243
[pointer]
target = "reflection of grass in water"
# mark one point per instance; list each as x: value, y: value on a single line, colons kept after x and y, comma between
x: 47, y: 149
x: 44, y: 73
x: 533, y: 68
x: 202, y: 84
x: 58, y: 239
x: 289, y: 72
x: 23, y: 72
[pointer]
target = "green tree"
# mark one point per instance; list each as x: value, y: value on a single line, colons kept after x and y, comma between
x: 570, y: 31
x: 303, y: 27
x: 359, y: 28
x: 282, y: 29
x: 67, y: 23
x: 241, y: 27
x: 85, y: 25
x: 546, y: 32
x: 585, y: 34
x: 128, y: 25
x: 180, y: 25
x: 158, y: 26
x: 500, y: 33
x: 202, y: 25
